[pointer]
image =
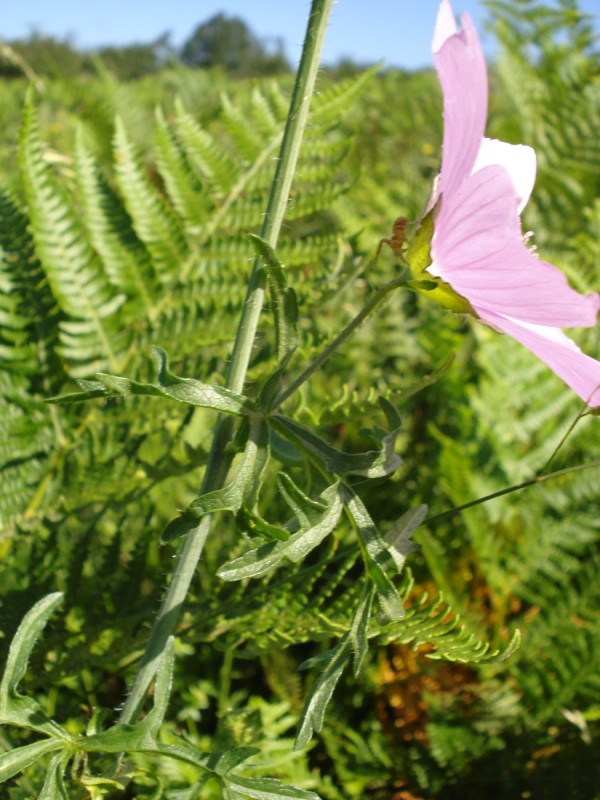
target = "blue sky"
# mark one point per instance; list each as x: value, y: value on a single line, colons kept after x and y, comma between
x: 398, y: 31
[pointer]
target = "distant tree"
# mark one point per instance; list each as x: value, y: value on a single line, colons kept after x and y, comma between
x: 136, y: 60
x: 229, y: 43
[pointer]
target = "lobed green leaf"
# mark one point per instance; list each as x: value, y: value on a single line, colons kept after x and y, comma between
x: 269, y: 556
x: 372, y: 464
x: 183, y: 390
x: 377, y: 557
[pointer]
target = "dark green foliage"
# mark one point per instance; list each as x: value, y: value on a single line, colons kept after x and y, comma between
x: 131, y: 233
x: 42, y: 55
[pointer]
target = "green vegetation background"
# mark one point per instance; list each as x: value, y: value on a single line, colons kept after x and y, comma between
x: 124, y: 211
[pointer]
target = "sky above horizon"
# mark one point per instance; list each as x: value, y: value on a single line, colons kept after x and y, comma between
x: 397, y: 31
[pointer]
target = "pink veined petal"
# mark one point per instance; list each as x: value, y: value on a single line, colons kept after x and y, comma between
x: 561, y: 354
x: 517, y: 159
x: 478, y: 249
x: 461, y: 68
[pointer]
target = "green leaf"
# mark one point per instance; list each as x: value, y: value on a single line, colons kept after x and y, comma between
x: 54, y: 786
x: 306, y: 510
x: 242, y: 490
x: 183, y: 390
x: 372, y: 464
x: 377, y: 558
x: 313, y: 713
x: 267, y: 557
x: 360, y: 625
x: 253, y: 523
x: 217, y: 763
x: 14, y: 761
x: 398, y: 538
x: 14, y: 708
x: 331, y: 666
x: 22, y: 644
x: 222, y: 763
x: 141, y: 736
x: 105, y: 785
x: 283, y: 300
x: 162, y: 689
x: 267, y: 789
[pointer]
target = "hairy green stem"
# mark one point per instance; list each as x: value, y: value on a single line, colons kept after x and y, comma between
x: 219, y: 459
x: 368, y: 309
x: 280, y: 188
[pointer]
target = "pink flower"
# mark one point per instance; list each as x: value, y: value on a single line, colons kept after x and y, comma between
x: 477, y: 246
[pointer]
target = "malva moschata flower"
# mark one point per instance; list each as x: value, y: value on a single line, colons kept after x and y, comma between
x: 478, y: 255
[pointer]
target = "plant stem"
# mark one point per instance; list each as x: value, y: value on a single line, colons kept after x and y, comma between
x: 219, y: 460
x: 373, y: 303
x: 517, y: 487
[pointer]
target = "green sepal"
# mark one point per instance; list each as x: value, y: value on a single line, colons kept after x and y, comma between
x: 269, y: 556
x: 418, y: 258
x: 283, y: 300
x: 183, y: 390
x: 241, y: 491
x: 443, y: 294
x: 418, y: 252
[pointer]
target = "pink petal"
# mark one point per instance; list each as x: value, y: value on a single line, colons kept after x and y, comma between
x: 478, y: 249
x: 561, y: 354
x: 445, y: 26
x: 461, y: 68
x: 517, y: 159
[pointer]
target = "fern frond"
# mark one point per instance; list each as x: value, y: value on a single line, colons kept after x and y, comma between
x: 183, y: 185
x: 29, y: 316
x: 209, y: 158
x: 74, y: 273
x: 125, y: 259
x: 155, y: 222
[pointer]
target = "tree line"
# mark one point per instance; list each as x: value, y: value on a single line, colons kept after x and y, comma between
x: 221, y: 41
